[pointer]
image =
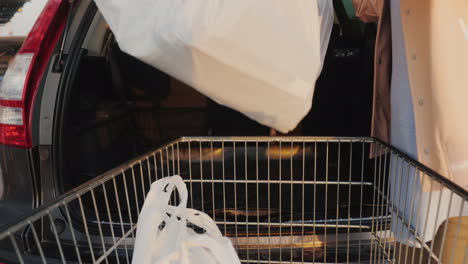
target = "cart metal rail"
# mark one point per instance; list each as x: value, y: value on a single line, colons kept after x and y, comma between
x: 279, y: 199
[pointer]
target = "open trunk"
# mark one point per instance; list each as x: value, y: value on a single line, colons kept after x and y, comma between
x: 119, y: 108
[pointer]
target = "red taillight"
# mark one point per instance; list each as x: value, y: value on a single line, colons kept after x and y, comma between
x: 19, y: 86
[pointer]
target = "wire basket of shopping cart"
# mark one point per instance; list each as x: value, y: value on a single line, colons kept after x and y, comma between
x: 279, y: 199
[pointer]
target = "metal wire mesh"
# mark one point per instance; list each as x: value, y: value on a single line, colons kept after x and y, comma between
x: 280, y: 200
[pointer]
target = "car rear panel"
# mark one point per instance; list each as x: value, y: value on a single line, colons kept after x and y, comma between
x: 18, y: 185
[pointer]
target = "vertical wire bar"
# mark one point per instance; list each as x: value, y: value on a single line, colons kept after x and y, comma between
x: 135, y: 190
x: 17, y: 251
x: 426, y: 220
x: 349, y: 198
x: 280, y: 200
x: 361, y: 199
x: 411, y: 211
x: 178, y: 158
x: 190, y: 174
x: 127, y: 199
x: 212, y: 179
x: 385, y: 201
x: 417, y: 224
x: 143, y: 189
x: 379, y: 223
x: 404, y: 211
x: 72, y: 231
x: 384, y: 212
x: 377, y: 202
x: 315, y: 203
x: 269, y: 211
x: 149, y: 172
x: 224, y: 188
x: 386, y: 208
x: 373, y: 228
x: 101, y: 236
x: 57, y: 239
x: 326, y: 204
x: 168, y: 162
x: 258, y: 200
x: 246, y: 200
x: 117, y: 199
x: 155, y: 164
x: 390, y: 205
x: 302, y: 206
x: 394, y: 203
x: 435, y: 223
x: 402, y: 219
x: 85, y: 224
x: 111, y: 223
x: 38, y: 242
x: 235, y: 195
x: 392, y: 172
x: 385, y: 180
x: 382, y: 218
x: 173, y: 161
x: 457, y: 232
x: 292, y: 205
x: 337, y: 200
x: 441, y: 248
x: 161, y: 162
x: 201, y: 179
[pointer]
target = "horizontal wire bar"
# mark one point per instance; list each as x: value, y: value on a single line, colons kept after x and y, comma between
x: 285, y: 139
x: 275, y: 262
x: 279, y: 182
x: 307, y: 223
x: 289, y: 224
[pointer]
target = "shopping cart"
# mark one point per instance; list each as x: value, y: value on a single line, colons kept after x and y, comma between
x: 279, y: 199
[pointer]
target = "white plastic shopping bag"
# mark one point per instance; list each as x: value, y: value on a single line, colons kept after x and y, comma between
x: 261, y: 58
x: 164, y: 238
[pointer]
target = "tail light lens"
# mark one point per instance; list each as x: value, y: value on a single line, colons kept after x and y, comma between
x: 13, y: 82
x: 11, y: 115
x: 22, y: 79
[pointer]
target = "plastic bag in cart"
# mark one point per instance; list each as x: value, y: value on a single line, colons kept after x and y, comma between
x: 261, y: 58
x: 164, y: 238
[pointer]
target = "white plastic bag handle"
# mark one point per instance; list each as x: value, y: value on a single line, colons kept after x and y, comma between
x: 220, y: 248
x: 153, y: 213
x: 183, y: 247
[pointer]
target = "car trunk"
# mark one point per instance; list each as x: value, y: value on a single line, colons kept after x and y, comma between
x: 120, y: 108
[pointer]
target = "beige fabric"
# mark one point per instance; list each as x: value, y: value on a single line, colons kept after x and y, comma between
x: 436, y: 39
x: 437, y: 51
x: 436, y: 36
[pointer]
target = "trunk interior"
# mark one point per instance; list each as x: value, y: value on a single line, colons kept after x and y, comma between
x: 120, y: 108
